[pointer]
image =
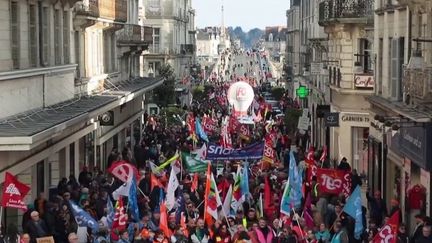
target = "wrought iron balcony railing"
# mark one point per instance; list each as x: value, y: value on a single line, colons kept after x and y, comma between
x: 135, y: 35
x: 417, y: 82
x: 345, y: 11
x: 187, y: 49
x: 109, y: 9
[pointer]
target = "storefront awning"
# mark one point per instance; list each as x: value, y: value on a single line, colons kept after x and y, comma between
x: 27, y: 130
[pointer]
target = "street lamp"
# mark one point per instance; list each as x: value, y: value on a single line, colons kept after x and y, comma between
x: 384, y: 122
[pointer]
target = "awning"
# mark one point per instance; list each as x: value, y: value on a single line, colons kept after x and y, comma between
x: 419, y: 113
x: 26, y: 130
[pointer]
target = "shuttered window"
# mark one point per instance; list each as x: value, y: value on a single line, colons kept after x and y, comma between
x: 57, y: 37
x: 45, y: 36
x: 14, y: 28
x: 397, y: 52
x: 33, y: 37
x: 66, y: 38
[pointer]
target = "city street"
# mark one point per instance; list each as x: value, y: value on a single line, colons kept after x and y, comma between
x: 187, y: 121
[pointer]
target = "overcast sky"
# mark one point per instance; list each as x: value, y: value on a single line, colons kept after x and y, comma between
x: 245, y: 13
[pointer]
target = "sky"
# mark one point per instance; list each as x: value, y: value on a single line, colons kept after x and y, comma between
x: 247, y: 14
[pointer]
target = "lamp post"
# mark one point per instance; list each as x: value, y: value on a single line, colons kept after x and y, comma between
x: 385, y: 123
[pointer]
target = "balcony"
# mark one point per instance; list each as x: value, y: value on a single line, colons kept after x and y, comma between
x: 187, y: 49
x: 346, y: 11
x: 107, y: 9
x: 135, y: 35
x: 417, y: 83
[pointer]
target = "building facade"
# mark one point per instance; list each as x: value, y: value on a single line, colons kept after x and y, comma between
x: 292, y: 57
x: 70, y: 88
x: 173, y: 23
x: 349, y: 26
x: 207, y: 41
x: 400, y: 128
x: 275, y: 43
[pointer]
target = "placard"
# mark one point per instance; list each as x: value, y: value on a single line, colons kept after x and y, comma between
x: 48, y: 239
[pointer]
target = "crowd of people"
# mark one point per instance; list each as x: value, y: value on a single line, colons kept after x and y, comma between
x: 250, y: 223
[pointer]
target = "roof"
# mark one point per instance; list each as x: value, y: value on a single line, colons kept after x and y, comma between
x: 70, y: 112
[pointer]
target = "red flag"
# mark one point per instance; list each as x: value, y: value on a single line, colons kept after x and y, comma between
x: 324, y: 154
x: 267, y: 196
x: 388, y: 233
x: 310, y: 155
x: 154, y: 182
x: 311, y: 170
x: 208, y: 218
x: 120, y: 219
x: 14, y: 192
x: 163, y: 222
x: 122, y: 170
x: 183, y: 225
x: 194, y: 185
x: 331, y: 181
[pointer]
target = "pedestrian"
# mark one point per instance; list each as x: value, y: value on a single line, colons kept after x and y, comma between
x: 378, y: 208
x: 36, y: 227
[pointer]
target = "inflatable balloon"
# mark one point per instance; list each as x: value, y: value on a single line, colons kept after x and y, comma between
x: 240, y: 95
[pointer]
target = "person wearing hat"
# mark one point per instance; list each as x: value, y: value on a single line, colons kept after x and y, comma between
x: 250, y: 218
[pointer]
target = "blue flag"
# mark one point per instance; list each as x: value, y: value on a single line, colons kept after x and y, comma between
x: 110, y: 213
x: 181, y: 207
x: 244, y: 184
x: 295, y: 182
x: 292, y: 195
x: 132, y: 200
x: 200, y: 131
x: 353, y: 208
x: 84, y: 219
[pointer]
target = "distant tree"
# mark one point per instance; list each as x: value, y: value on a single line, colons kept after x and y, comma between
x: 164, y: 94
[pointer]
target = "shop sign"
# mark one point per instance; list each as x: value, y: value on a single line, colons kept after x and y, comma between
x: 364, y: 81
x: 316, y: 67
x: 331, y: 119
x: 303, y: 123
x: 414, y: 142
x: 356, y: 118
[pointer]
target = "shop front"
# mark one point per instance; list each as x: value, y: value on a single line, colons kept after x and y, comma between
x: 349, y: 140
x: 415, y: 146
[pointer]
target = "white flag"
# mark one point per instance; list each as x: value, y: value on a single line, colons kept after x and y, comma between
x: 173, y: 184
x: 226, y: 207
x: 123, y: 190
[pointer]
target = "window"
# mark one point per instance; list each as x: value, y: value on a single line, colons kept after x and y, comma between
x: 397, y: 57
x: 365, y: 55
x: 33, y: 38
x: 45, y: 36
x: 156, y: 39
x: 57, y: 37
x: 14, y: 24
x: 66, y: 38
x: 380, y: 65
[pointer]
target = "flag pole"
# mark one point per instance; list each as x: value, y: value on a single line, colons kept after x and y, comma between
x: 301, y: 230
x: 226, y: 218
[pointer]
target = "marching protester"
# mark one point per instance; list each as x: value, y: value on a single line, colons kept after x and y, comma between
x: 221, y: 173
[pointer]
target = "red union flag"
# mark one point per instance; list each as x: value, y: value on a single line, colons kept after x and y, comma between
x: 388, y: 233
x: 14, y: 192
x: 122, y: 170
x: 332, y: 181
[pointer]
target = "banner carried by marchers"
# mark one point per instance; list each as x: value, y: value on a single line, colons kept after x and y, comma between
x: 333, y: 181
x: 123, y: 170
x: 14, y: 192
x: 217, y: 152
x: 388, y: 233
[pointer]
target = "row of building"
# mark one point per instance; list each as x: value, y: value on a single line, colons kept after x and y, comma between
x: 367, y: 65
x: 75, y: 79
